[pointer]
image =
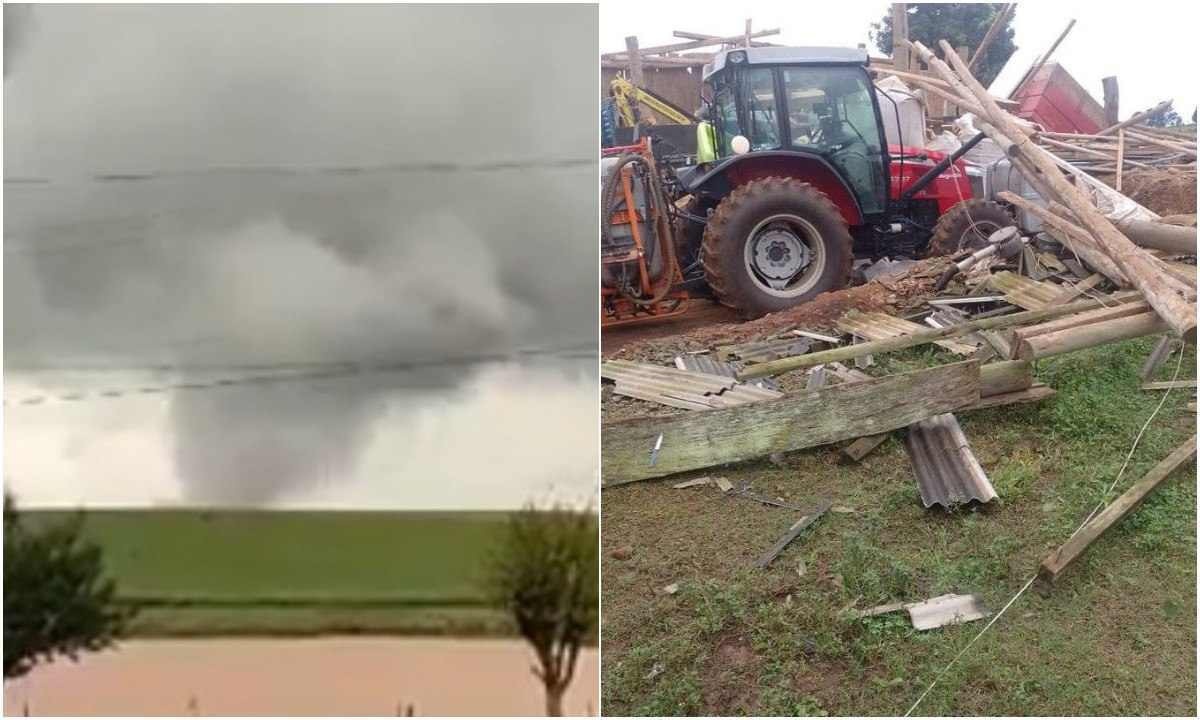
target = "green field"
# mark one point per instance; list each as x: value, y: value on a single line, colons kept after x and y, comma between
x: 288, y: 572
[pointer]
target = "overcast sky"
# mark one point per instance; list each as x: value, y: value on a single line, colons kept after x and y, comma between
x: 218, y: 274
x: 1145, y: 44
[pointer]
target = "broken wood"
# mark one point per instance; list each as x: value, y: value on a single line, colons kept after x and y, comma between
x: 901, y: 342
x: 692, y: 483
x: 808, y: 419
x: 1072, y: 549
x: 1170, y: 385
x: 1036, y: 393
x: 863, y: 446
x: 792, y: 533
x: 1166, y: 297
x: 1160, y: 352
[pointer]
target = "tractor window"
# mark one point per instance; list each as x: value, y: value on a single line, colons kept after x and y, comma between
x: 830, y: 111
x: 760, y: 103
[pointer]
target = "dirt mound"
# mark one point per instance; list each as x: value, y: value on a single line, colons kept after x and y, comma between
x: 1166, y: 191
x: 887, y: 294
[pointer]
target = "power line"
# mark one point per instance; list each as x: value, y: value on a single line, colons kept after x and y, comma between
x: 285, y: 372
x: 354, y: 170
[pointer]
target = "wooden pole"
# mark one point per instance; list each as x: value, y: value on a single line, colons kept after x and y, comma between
x: 1120, y: 158
x: 1090, y: 335
x: 1042, y: 60
x: 634, y: 61
x: 1137, y: 117
x: 998, y: 22
x: 1166, y: 297
x: 1074, y: 237
x: 901, y: 55
x: 849, y: 352
x: 1072, y: 549
x: 747, y: 35
x: 1112, y: 100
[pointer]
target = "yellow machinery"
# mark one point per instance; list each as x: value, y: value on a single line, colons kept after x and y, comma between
x: 628, y: 96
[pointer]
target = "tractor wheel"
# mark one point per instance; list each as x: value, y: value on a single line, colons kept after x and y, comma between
x: 773, y: 244
x: 967, y: 226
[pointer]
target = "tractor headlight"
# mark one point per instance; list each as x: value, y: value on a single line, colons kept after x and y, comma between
x: 740, y: 145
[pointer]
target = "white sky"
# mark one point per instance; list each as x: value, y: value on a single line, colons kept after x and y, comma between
x: 1145, y: 45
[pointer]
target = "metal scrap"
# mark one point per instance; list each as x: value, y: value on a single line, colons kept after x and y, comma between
x: 703, y: 363
x: 765, y: 350
x: 879, y: 326
x: 947, y: 472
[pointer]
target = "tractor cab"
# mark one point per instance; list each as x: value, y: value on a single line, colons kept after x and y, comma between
x: 814, y: 102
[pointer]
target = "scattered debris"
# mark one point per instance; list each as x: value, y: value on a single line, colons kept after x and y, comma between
x: 622, y: 553
x: 792, y: 533
x: 655, y: 670
x: 1060, y: 559
x: 946, y: 610
x: 724, y: 485
x: 693, y: 483
x: 935, y: 612
x: 947, y: 472
x: 1169, y: 385
x: 671, y: 589
x: 683, y: 389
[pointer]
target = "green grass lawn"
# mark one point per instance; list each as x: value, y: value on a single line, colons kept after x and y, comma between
x: 1116, y: 636
x: 230, y: 572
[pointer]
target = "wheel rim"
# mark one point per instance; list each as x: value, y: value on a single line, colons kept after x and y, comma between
x: 976, y: 235
x: 784, y: 255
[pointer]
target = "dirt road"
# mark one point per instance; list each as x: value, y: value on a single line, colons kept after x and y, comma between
x: 319, y: 676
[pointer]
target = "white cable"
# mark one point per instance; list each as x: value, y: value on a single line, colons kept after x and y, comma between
x: 1026, y: 586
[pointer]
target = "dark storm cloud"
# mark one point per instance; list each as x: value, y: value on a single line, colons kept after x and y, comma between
x: 261, y: 268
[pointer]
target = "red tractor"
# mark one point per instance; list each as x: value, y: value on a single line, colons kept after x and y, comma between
x: 791, y: 179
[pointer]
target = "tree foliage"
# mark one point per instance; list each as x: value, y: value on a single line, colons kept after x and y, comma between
x: 959, y: 24
x: 56, y: 598
x: 1165, y: 118
x: 545, y: 574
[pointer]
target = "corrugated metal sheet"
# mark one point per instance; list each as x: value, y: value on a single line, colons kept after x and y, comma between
x: 766, y: 350
x: 1025, y: 292
x: 681, y: 388
x: 947, y: 472
x: 879, y: 326
x: 712, y: 366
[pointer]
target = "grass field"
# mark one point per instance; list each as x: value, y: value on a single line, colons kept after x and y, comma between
x: 1116, y: 636
x: 238, y: 572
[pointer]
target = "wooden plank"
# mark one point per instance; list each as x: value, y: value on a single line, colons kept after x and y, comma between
x: 1170, y: 385
x: 1036, y: 393
x: 1091, y: 335
x: 1072, y: 549
x: 863, y: 446
x: 808, y: 419
x: 792, y: 533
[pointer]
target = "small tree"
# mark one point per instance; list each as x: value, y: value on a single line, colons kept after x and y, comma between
x: 957, y: 24
x: 56, y: 599
x: 1165, y: 118
x: 545, y: 574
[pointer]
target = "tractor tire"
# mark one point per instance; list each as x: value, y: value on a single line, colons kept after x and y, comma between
x: 966, y: 226
x: 779, y: 208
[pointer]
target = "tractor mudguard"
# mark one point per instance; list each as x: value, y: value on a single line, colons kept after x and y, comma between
x: 720, y: 179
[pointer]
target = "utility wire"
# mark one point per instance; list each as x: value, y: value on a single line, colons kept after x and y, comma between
x: 318, y: 371
x: 354, y: 170
x: 1136, y: 440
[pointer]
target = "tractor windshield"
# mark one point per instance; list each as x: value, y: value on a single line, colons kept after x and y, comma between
x: 823, y: 109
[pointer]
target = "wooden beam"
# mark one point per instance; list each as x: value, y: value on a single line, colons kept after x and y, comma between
x: 1072, y: 549
x: 993, y: 30
x: 900, y: 49
x: 802, y: 420
x: 1167, y: 298
x: 1120, y: 158
x: 849, y: 352
x: 634, y: 63
x: 697, y: 42
x: 1112, y: 100
x: 1042, y: 60
x: 1170, y: 385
